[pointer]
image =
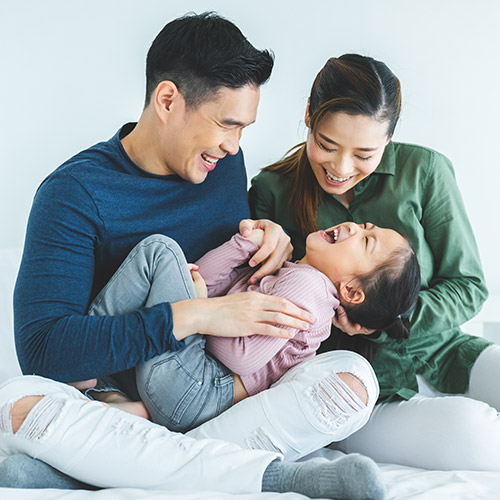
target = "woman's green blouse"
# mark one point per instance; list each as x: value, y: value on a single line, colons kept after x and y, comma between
x: 413, y: 191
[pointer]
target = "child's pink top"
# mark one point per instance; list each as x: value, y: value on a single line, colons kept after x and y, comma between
x: 261, y: 360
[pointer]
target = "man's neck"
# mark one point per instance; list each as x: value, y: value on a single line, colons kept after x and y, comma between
x: 141, y: 147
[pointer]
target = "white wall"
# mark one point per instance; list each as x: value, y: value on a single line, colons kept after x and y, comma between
x: 72, y: 73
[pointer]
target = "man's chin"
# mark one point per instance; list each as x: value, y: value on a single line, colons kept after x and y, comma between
x: 197, y: 178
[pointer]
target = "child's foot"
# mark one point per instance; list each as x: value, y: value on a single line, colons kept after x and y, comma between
x: 119, y: 401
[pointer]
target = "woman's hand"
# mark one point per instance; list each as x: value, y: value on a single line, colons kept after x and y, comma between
x: 274, y: 250
x: 200, y: 287
x: 342, y: 322
x: 239, y: 315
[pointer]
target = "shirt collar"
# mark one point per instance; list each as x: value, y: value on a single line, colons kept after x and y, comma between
x: 388, y: 163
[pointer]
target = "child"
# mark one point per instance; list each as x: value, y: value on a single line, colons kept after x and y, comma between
x: 371, y: 271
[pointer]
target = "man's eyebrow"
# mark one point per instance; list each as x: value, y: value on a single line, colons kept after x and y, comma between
x: 331, y: 141
x: 229, y: 122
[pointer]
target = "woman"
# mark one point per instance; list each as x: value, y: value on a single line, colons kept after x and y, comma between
x: 349, y: 169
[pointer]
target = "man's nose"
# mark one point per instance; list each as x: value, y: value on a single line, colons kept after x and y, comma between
x: 231, y: 143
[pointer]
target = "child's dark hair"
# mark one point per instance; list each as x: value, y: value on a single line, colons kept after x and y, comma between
x: 201, y: 53
x: 391, y: 292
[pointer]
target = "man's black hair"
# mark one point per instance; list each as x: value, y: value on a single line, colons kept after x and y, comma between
x: 201, y: 53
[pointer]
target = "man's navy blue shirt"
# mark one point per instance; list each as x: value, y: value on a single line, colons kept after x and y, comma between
x: 86, y: 217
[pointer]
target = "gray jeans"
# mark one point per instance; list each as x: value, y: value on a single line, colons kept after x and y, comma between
x: 180, y: 389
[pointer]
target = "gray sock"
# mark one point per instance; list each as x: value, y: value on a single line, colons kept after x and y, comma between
x: 22, y: 471
x: 353, y: 477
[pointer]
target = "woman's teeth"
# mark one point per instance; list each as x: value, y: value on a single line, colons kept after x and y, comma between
x: 335, y: 179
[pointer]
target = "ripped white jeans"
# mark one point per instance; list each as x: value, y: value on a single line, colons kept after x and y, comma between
x: 444, y: 431
x: 308, y: 408
x: 106, y: 447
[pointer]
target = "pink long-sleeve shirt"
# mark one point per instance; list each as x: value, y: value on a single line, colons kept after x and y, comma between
x: 261, y: 360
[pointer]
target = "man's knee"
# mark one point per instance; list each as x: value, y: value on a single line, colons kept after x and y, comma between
x: 356, y: 385
x: 20, y: 410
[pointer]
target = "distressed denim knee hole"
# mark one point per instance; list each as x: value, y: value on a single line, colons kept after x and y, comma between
x: 334, y: 402
x: 31, y: 421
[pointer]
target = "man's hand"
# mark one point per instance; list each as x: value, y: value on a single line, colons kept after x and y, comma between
x: 342, y: 322
x: 257, y: 236
x: 200, y: 287
x: 274, y: 251
x: 239, y: 315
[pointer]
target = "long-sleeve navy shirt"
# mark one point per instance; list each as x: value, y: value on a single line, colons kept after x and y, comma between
x: 86, y: 217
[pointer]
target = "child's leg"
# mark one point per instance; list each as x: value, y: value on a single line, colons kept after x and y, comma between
x: 180, y: 389
x: 184, y: 389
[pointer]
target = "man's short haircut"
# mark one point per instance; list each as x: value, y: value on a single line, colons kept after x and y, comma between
x: 201, y: 53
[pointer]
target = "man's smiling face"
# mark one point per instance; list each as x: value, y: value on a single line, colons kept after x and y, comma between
x: 198, y: 137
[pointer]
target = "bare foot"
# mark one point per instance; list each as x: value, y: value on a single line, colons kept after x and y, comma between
x: 121, y: 402
x: 133, y: 407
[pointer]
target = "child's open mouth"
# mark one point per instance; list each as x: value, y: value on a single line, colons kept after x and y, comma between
x: 330, y: 236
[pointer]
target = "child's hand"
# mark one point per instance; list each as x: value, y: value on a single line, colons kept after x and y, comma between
x: 257, y: 236
x: 200, y: 287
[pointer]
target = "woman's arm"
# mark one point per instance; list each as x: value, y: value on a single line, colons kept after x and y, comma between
x: 457, y: 289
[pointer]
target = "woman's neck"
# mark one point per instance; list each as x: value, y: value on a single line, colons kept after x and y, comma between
x: 346, y: 198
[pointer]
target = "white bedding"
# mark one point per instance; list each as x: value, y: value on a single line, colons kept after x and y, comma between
x: 403, y: 482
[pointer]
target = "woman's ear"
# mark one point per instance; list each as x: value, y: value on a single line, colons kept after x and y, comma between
x: 307, y: 118
x: 351, y: 293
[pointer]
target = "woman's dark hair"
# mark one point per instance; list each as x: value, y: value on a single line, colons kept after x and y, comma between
x: 201, y: 53
x: 352, y: 84
x: 391, y: 292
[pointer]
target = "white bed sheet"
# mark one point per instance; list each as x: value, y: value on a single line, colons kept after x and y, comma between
x: 404, y: 483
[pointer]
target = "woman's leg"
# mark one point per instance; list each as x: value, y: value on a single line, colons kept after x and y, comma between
x: 321, y: 400
x: 445, y: 432
x: 484, y: 377
x: 110, y: 448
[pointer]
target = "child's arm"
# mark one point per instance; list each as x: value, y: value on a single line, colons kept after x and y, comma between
x: 246, y: 355
x: 219, y: 266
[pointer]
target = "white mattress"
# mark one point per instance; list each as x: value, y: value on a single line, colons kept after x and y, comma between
x: 403, y: 482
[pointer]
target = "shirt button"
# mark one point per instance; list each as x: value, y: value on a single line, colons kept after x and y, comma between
x: 200, y: 382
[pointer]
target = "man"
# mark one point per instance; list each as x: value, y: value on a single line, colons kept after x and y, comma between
x: 178, y: 171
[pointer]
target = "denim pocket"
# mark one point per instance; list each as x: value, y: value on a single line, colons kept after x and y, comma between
x: 174, y: 393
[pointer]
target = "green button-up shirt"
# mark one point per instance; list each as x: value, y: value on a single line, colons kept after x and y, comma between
x: 413, y: 191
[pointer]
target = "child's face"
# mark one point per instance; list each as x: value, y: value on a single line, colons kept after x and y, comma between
x: 349, y: 250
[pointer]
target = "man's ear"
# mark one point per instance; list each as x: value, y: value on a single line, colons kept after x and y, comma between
x: 166, y: 98
x: 307, y: 118
x: 351, y: 292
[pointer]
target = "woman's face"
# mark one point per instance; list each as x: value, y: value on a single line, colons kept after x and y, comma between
x: 345, y: 149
